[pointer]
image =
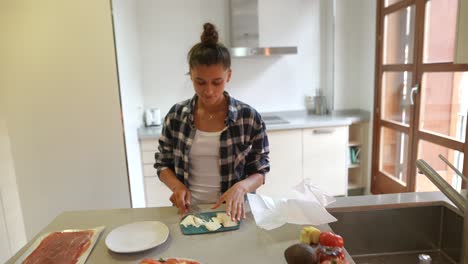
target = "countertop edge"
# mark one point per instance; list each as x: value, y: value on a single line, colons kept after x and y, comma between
x: 296, y: 120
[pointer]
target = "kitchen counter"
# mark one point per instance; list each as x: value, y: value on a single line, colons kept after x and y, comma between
x: 396, y: 200
x: 241, y: 246
x: 300, y: 119
x: 290, y: 120
x: 245, y: 245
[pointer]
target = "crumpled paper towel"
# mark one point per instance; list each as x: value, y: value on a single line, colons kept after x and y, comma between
x: 308, y: 208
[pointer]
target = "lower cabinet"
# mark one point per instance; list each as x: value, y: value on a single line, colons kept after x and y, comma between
x: 324, y: 159
x: 285, y: 163
x: 156, y: 193
x: 317, y: 154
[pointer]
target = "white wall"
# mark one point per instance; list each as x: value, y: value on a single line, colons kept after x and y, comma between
x: 168, y: 29
x: 327, y: 50
x: 281, y: 83
x: 5, y: 251
x: 354, y: 54
x: 59, y: 73
x: 355, y: 35
x: 12, y: 233
x: 128, y: 57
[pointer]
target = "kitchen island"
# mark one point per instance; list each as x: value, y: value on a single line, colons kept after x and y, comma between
x: 249, y: 244
x: 245, y: 245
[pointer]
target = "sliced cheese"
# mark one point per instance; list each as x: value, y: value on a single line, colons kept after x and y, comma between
x: 221, y: 219
x: 188, y: 220
x: 215, y: 220
x: 225, y: 220
x: 198, y: 221
x: 192, y: 220
x: 212, y: 226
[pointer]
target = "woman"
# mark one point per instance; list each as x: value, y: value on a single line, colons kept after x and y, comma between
x: 213, y: 148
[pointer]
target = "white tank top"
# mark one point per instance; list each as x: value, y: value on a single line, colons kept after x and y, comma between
x: 204, y: 171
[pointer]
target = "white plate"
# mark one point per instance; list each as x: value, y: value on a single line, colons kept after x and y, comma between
x: 137, y: 236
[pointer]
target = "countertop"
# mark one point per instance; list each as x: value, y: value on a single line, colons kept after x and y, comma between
x: 241, y: 246
x: 294, y: 119
x: 249, y: 244
x: 395, y: 200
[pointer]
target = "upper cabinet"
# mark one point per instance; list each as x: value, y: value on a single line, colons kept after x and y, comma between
x: 461, y: 53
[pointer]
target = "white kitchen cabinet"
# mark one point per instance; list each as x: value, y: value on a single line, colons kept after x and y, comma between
x: 295, y: 154
x: 156, y: 193
x: 324, y: 158
x: 285, y: 162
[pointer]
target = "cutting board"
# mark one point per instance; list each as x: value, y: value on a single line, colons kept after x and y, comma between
x: 192, y: 230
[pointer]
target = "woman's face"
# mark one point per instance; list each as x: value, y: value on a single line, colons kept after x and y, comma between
x: 209, y: 82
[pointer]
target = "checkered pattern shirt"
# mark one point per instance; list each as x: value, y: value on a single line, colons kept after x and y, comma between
x: 243, y: 145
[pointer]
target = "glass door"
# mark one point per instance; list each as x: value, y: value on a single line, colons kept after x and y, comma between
x: 421, y: 100
x: 395, y: 79
x: 443, y: 102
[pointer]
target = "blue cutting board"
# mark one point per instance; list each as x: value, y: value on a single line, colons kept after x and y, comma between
x: 191, y: 230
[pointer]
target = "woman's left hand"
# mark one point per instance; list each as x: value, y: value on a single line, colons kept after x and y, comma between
x: 234, y: 198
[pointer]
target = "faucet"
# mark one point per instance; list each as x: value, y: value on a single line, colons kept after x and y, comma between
x: 442, y: 184
x: 459, y: 201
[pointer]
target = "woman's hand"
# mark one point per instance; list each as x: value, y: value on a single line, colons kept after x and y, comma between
x: 234, y: 198
x: 181, y: 198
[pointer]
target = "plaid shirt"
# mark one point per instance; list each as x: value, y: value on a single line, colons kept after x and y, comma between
x: 243, y: 150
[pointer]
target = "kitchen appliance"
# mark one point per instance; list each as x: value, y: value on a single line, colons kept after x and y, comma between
x: 245, y: 32
x: 317, y: 104
x: 153, y: 117
x: 309, y: 103
x: 320, y: 103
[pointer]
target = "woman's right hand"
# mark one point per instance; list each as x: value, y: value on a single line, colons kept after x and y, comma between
x: 181, y: 198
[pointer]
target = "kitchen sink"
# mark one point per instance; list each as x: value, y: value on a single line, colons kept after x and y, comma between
x: 400, y: 235
x: 273, y: 120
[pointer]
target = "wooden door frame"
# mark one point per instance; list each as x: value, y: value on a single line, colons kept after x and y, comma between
x: 417, y: 68
x: 380, y: 69
x: 418, y: 134
x: 377, y: 96
x: 414, y: 126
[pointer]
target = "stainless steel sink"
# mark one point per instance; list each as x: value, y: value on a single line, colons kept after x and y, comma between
x: 400, y: 235
x: 273, y: 120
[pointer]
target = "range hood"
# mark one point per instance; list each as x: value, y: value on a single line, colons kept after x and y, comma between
x: 245, y: 33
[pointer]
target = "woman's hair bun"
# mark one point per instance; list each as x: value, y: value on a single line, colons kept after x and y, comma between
x: 209, y: 51
x: 209, y: 35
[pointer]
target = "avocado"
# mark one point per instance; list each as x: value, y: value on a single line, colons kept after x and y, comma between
x: 300, y: 254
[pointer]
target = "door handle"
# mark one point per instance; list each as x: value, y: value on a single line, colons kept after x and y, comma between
x: 323, y: 131
x: 414, y: 91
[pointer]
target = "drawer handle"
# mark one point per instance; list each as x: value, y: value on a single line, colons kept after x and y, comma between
x: 323, y: 131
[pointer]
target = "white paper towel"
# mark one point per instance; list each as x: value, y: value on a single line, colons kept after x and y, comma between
x: 308, y: 208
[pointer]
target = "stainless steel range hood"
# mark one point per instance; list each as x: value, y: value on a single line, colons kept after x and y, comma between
x: 245, y: 33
